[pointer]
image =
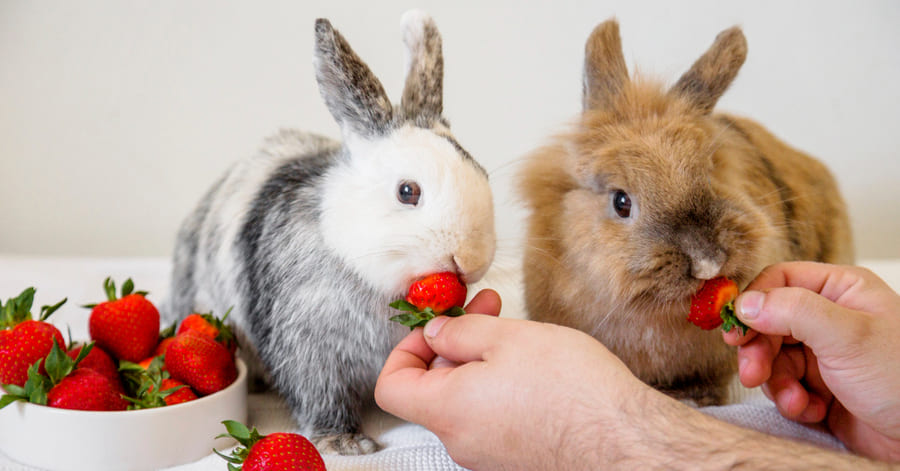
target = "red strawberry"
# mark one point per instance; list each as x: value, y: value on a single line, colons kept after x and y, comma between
x: 151, y: 386
x: 126, y: 327
x: 436, y: 294
x: 28, y: 341
x: 183, y: 394
x: 65, y: 385
x: 200, y: 362
x: 274, y: 452
x: 86, y: 389
x: 100, y: 361
x: 212, y: 327
x: 713, y: 305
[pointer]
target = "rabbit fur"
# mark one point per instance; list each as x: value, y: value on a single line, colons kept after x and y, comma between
x: 310, y: 240
x: 649, y: 195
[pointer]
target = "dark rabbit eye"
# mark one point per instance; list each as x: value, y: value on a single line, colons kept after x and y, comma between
x: 621, y: 203
x: 408, y: 192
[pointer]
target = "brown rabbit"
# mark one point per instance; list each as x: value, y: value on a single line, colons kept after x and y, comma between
x: 651, y: 194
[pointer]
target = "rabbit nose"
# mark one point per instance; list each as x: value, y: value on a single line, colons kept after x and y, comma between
x: 470, y: 270
x: 705, y: 268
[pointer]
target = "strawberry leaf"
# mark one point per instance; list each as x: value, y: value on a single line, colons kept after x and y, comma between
x: 47, y: 310
x: 127, y: 287
x: 37, y: 385
x: 412, y: 317
x: 18, y: 309
x: 730, y: 320
x: 109, y: 286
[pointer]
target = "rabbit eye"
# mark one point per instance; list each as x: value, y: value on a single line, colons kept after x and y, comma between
x: 409, y: 192
x: 621, y: 203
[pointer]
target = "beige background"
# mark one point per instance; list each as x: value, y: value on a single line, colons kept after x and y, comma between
x: 115, y: 115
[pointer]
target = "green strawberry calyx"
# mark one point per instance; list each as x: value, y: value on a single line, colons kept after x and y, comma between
x: 144, y: 386
x: 413, y: 317
x: 243, y: 435
x: 18, y: 309
x: 730, y: 320
x: 57, y: 364
x: 109, y: 287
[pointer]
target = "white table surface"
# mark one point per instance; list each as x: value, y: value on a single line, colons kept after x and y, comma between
x: 408, y: 446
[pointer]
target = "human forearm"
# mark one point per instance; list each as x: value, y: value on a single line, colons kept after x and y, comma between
x: 665, y: 434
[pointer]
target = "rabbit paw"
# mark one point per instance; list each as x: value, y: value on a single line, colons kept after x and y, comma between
x: 345, y: 444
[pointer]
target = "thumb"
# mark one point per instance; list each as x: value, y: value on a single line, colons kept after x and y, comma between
x: 796, y: 312
x: 468, y: 337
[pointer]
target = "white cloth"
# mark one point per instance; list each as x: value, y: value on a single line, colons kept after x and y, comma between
x: 407, y: 446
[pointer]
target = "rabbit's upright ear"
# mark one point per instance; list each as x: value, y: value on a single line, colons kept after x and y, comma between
x: 423, y: 91
x: 714, y: 71
x: 605, y: 73
x: 353, y: 95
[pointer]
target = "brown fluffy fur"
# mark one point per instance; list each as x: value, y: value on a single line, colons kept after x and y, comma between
x: 711, y: 194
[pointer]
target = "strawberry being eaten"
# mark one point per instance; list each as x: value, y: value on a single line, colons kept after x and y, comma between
x: 713, y: 306
x: 434, y: 295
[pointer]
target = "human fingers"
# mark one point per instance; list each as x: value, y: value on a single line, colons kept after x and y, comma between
x: 486, y: 301
x: 850, y: 286
x: 403, y: 371
x: 798, y: 313
x: 755, y: 359
x: 467, y: 338
x: 784, y: 386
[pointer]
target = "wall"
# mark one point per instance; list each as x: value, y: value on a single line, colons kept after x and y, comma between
x: 116, y: 116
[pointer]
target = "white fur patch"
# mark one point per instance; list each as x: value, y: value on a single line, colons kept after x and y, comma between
x: 391, y: 244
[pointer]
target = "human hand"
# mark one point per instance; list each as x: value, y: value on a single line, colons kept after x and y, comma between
x: 509, y: 394
x: 822, y: 346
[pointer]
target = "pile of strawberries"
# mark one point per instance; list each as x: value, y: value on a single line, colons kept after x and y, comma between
x: 129, y: 364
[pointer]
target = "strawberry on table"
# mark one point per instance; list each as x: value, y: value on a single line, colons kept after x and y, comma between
x: 274, y: 452
x: 436, y: 294
x: 24, y: 340
x: 200, y: 362
x: 126, y: 327
x: 713, y: 306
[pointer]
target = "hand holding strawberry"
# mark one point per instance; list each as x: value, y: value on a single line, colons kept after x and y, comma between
x: 435, y: 295
x: 274, y: 452
x: 713, y: 306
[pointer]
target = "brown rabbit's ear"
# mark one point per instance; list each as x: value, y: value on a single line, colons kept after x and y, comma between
x: 605, y: 73
x: 714, y: 71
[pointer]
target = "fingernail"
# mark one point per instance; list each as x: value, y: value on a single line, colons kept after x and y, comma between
x: 751, y: 304
x: 434, y: 326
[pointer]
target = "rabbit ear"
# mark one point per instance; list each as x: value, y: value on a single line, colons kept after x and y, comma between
x: 351, y: 92
x: 713, y: 72
x: 422, y: 94
x: 605, y: 73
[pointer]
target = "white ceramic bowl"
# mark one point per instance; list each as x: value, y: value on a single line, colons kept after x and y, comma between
x: 148, y: 439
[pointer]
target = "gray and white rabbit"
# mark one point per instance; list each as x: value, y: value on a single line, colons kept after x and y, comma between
x: 311, y: 239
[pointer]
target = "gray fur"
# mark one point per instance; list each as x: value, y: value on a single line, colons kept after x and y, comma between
x: 423, y: 92
x: 351, y: 92
x: 308, y: 324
